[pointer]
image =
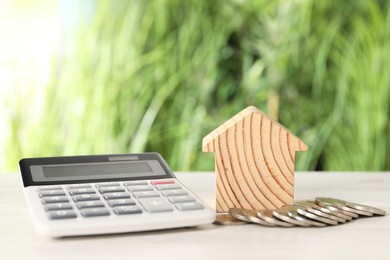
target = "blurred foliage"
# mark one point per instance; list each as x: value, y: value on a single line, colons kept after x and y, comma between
x: 160, y: 75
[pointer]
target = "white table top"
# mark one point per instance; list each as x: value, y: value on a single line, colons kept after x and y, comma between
x: 367, y: 238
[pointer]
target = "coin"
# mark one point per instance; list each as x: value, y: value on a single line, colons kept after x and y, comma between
x: 228, y: 220
x: 358, y: 206
x: 282, y: 214
x: 335, y: 209
x: 293, y: 213
x: 342, y: 205
x: 314, y: 208
x: 268, y: 216
x: 370, y: 209
x: 238, y: 213
x: 334, y: 212
x: 303, y: 211
x: 320, y: 212
x: 251, y: 215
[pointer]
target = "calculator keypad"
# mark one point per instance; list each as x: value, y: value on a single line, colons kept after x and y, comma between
x: 117, y: 198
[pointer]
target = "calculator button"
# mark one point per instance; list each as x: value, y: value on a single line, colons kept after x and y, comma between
x: 116, y: 195
x: 146, y: 194
x: 134, y: 183
x: 90, y: 204
x: 121, y: 210
x: 121, y: 202
x: 47, y: 193
x: 78, y: 186
x: 96, y: 212
x: 168, y: 193
x: 62, y: 214
x: 156, y: 205
x: 177, y: 199
x: 58, y: 206
x: 107, y: 184
x: 162, y: 182
x: 189, y: 206
x: 111, y: 189
x: 85, y: 197
x: 81, y: 191
x: 139, y: 188
x: 49, y: 188
x: 168, y: 186
x: 53, y: 199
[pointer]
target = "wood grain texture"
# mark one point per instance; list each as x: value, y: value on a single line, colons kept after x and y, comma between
x: 254, y: 161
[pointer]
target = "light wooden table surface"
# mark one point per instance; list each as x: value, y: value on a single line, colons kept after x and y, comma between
x: 367, y: 238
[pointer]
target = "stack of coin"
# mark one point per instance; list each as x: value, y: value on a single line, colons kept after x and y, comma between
x: 320, y: 212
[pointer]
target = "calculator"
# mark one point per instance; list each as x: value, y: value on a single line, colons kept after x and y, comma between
x: 101, y: 194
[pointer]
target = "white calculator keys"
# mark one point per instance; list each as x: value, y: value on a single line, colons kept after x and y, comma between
x: 93, y: 204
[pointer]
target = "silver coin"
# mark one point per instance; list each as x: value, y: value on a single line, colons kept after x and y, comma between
x: 335, y: 209
x: 238, y: 213
x: 251, y: 215
x: 314, y: 208
x: 303, y: 211
x: 366, y: 208
x: 283, y: 215
x: 342, y: 205
x: 293, y: 213
x: 227, y: 220
x: 358, y: 206
x: 334, y: 213
x: 268, y: 216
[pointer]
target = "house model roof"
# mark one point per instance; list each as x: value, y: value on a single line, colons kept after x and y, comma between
x: 208, y: 139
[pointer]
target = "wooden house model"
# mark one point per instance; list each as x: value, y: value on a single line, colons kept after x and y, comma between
x: 254, y: 161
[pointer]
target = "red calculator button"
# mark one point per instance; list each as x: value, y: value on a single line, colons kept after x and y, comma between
x: 162, y: 182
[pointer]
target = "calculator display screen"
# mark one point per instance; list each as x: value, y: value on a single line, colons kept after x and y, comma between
x: 93, y: 168
x: 142, y: 168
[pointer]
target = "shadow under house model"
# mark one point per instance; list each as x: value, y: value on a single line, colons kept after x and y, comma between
x: 254, y: 161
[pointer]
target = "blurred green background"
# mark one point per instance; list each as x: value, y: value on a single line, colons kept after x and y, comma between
x: 96, y: 77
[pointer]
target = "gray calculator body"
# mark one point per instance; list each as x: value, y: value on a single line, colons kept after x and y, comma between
x: 101, y: 194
